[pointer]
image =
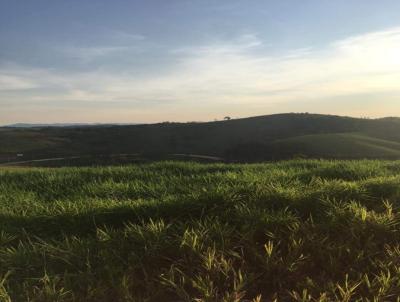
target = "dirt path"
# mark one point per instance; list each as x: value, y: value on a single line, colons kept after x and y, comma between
x: 194, y: 156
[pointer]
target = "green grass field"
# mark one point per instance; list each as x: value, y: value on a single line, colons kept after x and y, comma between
x: 303, y: 230
x: 341, y: 145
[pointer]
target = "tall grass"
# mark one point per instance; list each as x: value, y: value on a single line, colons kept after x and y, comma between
x: 302, y: 230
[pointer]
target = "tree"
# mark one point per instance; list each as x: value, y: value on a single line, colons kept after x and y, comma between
x: 227, y: 118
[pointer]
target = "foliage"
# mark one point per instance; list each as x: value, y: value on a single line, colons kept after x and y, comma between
x: 303, y: 230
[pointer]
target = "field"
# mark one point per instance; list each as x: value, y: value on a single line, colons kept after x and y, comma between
x: 341, y: 145
x: 300, y: 230
x: 253, y: 139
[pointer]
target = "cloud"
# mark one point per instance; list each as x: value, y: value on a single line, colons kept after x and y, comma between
x: 10, y: 82
x: 88, y: 54
x: 120, y: 36
x: 241, y: 44
x: 114, y: 42
x: 15, y: 78
x: 233, y: 73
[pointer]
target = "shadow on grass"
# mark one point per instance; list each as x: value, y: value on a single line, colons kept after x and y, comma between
x: 86, y: 223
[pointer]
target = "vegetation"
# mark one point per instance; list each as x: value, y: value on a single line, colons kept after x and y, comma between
x: 281, y: 136
x: 340, y: 145
x: 303, y: 230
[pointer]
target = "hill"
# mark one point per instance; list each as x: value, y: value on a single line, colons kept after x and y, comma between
x: 304, y: 230
x: 250, y: 139
x: 339, y: 145
x: 27, y: 125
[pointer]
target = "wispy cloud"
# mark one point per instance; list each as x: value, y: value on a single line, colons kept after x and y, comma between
x: 10, y: 82
x: 88, y: 54
x: 241, y: 44
x: 115, y: 42
x: 227, y: 73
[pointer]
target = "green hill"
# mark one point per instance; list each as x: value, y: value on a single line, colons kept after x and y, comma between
x: 340, y: 145
x: 250, y: 139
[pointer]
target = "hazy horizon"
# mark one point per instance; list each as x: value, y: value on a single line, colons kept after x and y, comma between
x: 155, y: 61
x: 222, y: 118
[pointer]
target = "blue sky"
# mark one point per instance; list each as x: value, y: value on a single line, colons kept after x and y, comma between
x: 149, y: 61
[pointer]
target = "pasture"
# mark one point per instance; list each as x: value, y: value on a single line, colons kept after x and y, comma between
x: 299, y: 230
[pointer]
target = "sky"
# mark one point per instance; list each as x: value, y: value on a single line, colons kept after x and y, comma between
x: 120, y: 61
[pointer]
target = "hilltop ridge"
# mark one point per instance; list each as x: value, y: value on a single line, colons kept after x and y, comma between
x: 267, y: 137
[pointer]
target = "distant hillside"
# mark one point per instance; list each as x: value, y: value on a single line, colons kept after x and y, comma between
x: 250, y: 139
x: 339, y: 145
x: 27, y: 125
x: 391, y: 119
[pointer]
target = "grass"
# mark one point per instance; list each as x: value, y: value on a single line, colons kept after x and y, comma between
x: 341, y: 145
x: 303, y: 230
x: 270, y: 137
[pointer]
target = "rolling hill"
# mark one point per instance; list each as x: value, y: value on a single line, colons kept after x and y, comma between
x: 259, y: 138
x: 340, y: 145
